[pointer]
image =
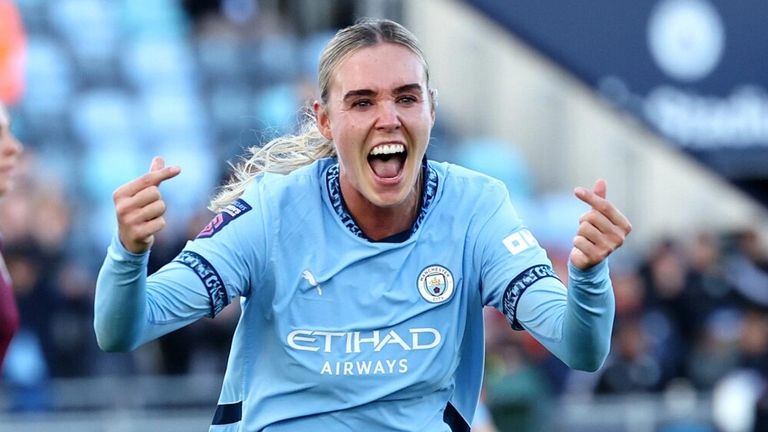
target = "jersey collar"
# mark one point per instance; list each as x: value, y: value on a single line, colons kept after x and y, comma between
x: 429, y: 191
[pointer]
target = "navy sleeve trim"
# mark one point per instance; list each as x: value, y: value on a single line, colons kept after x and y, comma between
x: 210, y: 278
x: 228, y: 414
x: 517, y: 287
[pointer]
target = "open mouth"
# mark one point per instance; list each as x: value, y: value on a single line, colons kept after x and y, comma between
x: 387, y: 160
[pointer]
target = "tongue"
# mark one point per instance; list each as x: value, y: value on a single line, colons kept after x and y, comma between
x: 387, y: 169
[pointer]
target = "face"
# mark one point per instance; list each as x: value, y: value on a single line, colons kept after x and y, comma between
x: 10, y: 149
x: 379, y: 115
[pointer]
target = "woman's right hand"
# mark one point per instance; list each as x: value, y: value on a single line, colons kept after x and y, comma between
x: 140, y: 207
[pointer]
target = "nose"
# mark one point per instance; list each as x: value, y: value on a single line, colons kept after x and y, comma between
x: 11, y: 145
x: 389, y: 118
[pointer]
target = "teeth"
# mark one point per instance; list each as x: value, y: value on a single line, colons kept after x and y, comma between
x: 388, y: 149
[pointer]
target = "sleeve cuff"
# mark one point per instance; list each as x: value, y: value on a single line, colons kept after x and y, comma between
x: 594, y: 274
x: 119, y: 253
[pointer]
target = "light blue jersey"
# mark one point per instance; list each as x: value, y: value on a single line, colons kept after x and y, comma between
x: 341, y: 333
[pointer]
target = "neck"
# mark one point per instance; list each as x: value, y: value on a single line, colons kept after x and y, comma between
x: 381, y: 222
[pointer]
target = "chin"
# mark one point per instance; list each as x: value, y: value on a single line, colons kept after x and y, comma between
x: 388, y: 199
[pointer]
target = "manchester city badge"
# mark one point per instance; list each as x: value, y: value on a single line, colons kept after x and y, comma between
x: 435, y: 284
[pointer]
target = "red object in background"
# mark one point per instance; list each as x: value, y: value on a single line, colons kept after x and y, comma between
x: 12, y: 53
x: 9, y: 314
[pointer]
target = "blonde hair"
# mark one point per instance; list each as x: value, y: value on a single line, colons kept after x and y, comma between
x: 288, y: 153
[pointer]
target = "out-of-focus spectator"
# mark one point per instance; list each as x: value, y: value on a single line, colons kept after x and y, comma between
x: 10, y: 149
x: 630, y: 368
x: 666, y: 316
x: 518, y: 393
x: 761, y: 411
x: 753, y: 341
x: 747, y: 268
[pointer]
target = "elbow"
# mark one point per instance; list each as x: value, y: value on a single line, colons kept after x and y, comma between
x: 109, y: 341
x: 590, y: 361
x: 588, y: 364
x: 114, y: 345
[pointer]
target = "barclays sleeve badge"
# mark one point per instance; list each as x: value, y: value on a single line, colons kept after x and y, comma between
x: 435, y: 284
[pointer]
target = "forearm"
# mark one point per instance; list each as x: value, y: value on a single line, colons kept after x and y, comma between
x: 574, y: 324
x: 120, y: 303
x: 589, y: 317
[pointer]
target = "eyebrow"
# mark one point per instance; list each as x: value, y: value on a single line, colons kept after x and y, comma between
x: 415, y: 87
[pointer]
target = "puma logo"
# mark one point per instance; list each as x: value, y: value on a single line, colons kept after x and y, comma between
x: 312, y: 281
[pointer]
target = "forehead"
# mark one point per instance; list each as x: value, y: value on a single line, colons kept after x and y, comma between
x: 379, y: 67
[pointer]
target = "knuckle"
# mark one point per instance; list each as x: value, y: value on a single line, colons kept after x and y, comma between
x: 603, y: 206
x: 121, y: 209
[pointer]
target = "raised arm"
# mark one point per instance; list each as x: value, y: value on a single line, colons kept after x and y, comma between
x: 120, y: 304
x: 576, y: 325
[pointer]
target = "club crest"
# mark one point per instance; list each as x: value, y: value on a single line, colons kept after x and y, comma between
x: 435, y: 284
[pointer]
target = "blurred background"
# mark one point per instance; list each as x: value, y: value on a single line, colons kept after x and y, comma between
x: 666, y: 99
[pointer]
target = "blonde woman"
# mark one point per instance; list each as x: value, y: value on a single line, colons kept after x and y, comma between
x: 362, y: 267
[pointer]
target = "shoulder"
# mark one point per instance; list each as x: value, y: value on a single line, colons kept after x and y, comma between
x: 306, y: 180
x: 458, y: 182
x: 298, y: 192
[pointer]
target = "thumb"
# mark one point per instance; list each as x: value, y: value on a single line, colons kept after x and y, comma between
x: 157, y: 164
x: 601, y: 188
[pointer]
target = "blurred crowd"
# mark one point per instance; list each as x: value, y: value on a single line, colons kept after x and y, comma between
x: 198, y: 83
x: 691, y: 314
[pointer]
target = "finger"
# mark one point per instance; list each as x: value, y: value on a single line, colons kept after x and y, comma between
x: 600, y: 221
x: 152, y: 211
x: 601, y: 188
x: 153, y: 178
x: 593, y: 253
x: 603, y: 206
x: 591, y: 233
x: 143, y: 233
x: 157, y: 164
x: 589, y: 249
x: 145, y: 196
x: 154, y: 226
x: 126, y: 205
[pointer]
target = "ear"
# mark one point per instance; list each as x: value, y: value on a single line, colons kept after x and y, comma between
x: 323, y: 120
x: 433, y: 103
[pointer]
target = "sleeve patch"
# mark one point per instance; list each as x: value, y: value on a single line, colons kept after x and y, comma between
x: 517, y: 287
x: 519, y: 241
x: 227, y: 215
x: 210, y: 278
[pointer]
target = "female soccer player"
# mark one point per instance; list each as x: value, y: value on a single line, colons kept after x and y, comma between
x: 362, y: 267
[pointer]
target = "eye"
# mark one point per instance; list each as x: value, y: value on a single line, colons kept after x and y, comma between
x: 362, y: 103
x: 407, y: 100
